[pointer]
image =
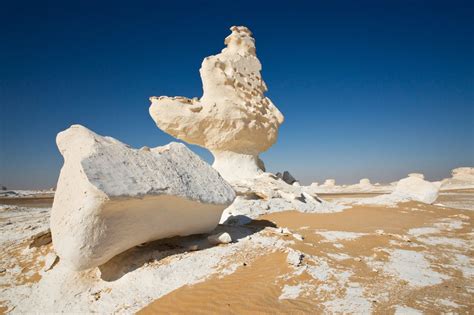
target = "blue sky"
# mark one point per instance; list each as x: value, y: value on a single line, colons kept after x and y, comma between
x: 372, y: 89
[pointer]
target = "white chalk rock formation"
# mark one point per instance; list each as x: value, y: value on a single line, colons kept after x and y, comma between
x: 418, y: 189
x: 329, y: 182
x: 364, y: 185
x: 462, y: 178
x: 410, y: 188
x: 221, y: 238
x: 233, y: 118
x: 418, y: 175
x: 463, y: 172
x: 267, y: 193
x: 235, y: 121
x: 111, y: 197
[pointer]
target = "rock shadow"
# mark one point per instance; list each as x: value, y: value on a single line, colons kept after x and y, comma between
x: 156, y: 251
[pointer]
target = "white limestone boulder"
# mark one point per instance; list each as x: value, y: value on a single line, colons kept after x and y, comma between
x: 111, y: 197
x: 462, y: 178
x: 233, y: 118
x: 463, y: 172
x: 413, y: 187
x: 418, y: 189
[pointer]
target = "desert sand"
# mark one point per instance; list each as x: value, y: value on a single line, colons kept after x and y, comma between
x: 365, y: 259
x: 381, y: 259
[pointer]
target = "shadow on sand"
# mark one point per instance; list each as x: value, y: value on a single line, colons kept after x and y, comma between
x: 153, y: 252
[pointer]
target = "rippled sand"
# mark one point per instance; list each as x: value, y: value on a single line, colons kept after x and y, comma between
x: 364, y: 259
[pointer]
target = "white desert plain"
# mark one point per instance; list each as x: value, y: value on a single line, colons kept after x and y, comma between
x: 158, y: 230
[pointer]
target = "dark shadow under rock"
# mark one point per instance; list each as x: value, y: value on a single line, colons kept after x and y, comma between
x: 152, y: 252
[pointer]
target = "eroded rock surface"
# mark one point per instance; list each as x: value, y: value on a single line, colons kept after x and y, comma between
x: 111, y: 197
x: 233, y: 118
x: 267, y: 193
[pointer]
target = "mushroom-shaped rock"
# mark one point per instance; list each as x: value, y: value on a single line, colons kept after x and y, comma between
x: 233, y: 118
x: 463, y: 178
x: 111, y: 197
x: 364, y: 182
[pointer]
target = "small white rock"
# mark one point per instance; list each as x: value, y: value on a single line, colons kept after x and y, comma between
x: 50, y: 260
x: 294, y: 258
x: 285, y: 231
x: 221, y: 238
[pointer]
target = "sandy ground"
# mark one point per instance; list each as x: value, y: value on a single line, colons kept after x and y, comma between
x: 31, y: 202
x: 366, y: 259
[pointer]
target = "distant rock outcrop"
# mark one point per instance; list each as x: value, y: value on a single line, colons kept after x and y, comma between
x: 329, y: 183
x: 414, y: 187
x: 462, y: 178
x: 111, y: 197
x: 233, y: 118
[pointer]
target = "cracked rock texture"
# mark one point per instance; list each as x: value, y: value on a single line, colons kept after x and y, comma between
x: 111, y: 197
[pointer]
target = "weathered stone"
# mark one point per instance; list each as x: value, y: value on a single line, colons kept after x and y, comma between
x: 233, y: 118
x: 111, y: 197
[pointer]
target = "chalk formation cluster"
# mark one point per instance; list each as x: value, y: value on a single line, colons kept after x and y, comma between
x: 111, y: 197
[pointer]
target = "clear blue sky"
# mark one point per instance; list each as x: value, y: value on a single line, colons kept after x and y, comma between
x: 372, y: 89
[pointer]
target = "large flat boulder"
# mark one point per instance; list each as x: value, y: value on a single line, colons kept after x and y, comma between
x: 111, y: 197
